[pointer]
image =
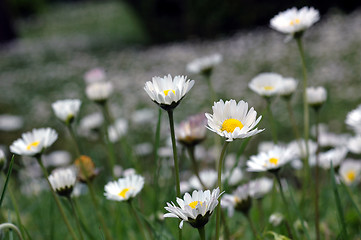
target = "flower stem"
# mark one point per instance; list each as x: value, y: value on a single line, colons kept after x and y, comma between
x: 293, y: 120
x: 219, y: 183
x: 16, y: 208
x: 72, y: 233
x: 157, y: 159
x: 76, y: 217
x: 190, y: 150
x: 210, y: 86
x: 73, y: 136
x: 202, y: 233
x: 317, y: 180
x: 306, y: 119
x: 175, y: 157
x: 254, y: 231
x: 272, y: 121
x: 135, y: 214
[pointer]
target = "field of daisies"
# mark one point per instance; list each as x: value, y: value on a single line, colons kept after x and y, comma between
x: 254, y: 136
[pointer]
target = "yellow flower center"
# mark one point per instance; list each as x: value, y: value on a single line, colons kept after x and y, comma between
x: 33, y: 144
x: 230, y: 124
x: 351, y: 176
x: 268, y: 88
x: 123, y: 192
x: 295, y: 21
x: 273, y: 161
x: 167, y: 91
x: 194, y: 204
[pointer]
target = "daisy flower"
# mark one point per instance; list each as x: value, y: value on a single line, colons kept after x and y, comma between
x: 66, y: 110
x: 353, y: 119
x: 2, y: 159
x: 63, y: 181
x: 294, y: 21
x: 99, y: 91
x: 233, y: 120
x: 117, y: 130
x: 194, y: 209
x: 205, y: 64
x: 240, y: 200
x: 275, y: 219
x: 192, y: 131
x: 208, y: 178
x: 260, y: 187
x: 10, y: 123
x: 316, y: 96
x: 124, y: 188
x: 34, y: 142
x: 167, y: 92
x: 336, y: 156
x: 354, y: 144
x: 266, y: 84
x: 349, y: 171
x: 271, y: 160
x: 288, y: 87
x: 94, y: 75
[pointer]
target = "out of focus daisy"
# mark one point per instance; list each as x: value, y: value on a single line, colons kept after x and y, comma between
x: 10, y: 122
x: 63, y: 181
x: 294, y: 21
x: 233, y: 120
x: 86, y: 168
x: 349, y: 171
x: 192, y: 131
x: 118, y: 129
x: 99, y: 91
x: 353, y: 119
x: 194, y: 209
x: 354, y: 144
x: 2, y: 159
x: 260, y: 187
x: 94, y: 75
x: 316, y: 96
x: 266, y: 84
x: 336, y: 156
x: 57, y: 159
x: 298, y: 148
x: 240, y: 200
x: 208, y: 178
x: 34, y: 142
x: 271, y: 160
x: 124, y: 188
x: 276, y: 219
x: 288, y: 87
x: 167, y: 92
x: 205, y: 64
x: 90, y: 125
x: 66, y: 110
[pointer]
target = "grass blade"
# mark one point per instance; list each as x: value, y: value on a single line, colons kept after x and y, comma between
x: 7, y: 180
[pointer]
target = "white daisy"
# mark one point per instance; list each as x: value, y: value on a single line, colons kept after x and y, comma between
x: 57, y: 159
x: 353, y: 119
x: 239, y: 200
x: 298, y: 148
x: 10, y: 122
x: 117, y: 130
x: 208, y: 178
x: 233, y: 120
x: 34, y: 142
x: 271, y: 160
x: 94, y: 75
x: 294, y: 21
x: 66, y: 110
x: 350, y: 171
x: 192, y: 131
x: 336, y: 156
x: 63, y: 181
x: 194, y: 209
x: 99, y: 91
x: 124, y: 188
x: 168, y: 92
x: 316, y: 96
x: 204, y: 64
x: 288, y: 87
x: 260, y: 187
x: 354, y: 144
x: 266, y: 84
x: 275, y: 219
x: 2, y: 159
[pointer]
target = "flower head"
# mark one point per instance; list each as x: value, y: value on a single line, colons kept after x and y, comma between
x: 233, y: 120
x: 2, y: 159
x: 99, y: 91
x: 336, y: 156
x: 208, y: 178
x: 260, y: 187
x: 66, y: 110
x: 63, y: 181
x: 192, y: 131
x: 240, y: 200
x: 194, y: 209
x: 354, y: 144
x: 353, y: 119
x: 167, y: 92
x: 94, y: 75
x: 350, y: 171
x: 316, y: 96
x: 86, y: 168
x: 34, y: 142
x: 288, y: 87
x: 266, y: 84
x: 117, y: 130
x: 124, y: 188
x: 275, y: 219
x: 294, y: 21
x: 205, y: 64
x: 271, y: 160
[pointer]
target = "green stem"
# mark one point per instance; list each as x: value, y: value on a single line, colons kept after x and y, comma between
x: 210, y: 86
x: 16, y: 208
x: 73, y: 136
x: 219, y: 183
x: 156, y: 159
x: 190, y: 150
x: 7, y: 180
x: 317, y: 181
x: 81, y: 219
x: 175, y: 156
x: 76, y: 217
x: 254, y: 231
x: 278, y: 179
x: 272, y: 121
x: 72, y: 233
x: 202, y: 233
x: 139, y: 222
x: 293, y: 121
x: 306, y: 118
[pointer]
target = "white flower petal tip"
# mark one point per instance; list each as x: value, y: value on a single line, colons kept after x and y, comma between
x: 124, y: 188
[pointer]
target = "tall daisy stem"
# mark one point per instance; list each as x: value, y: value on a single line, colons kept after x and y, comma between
x: 254, y: 231
x: 306, y: 118
x: 210, y: 86
x: 75, y: 139
x: 76, y: 217
x: 65, y: 219
x: 272, y: 121
x: 317, y: 180
x: 175, y: 157
x: 202, y: 233
x: 139, y: 222
x: 293, y: 120
x: 219, y: 183
x: 190, y: 150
